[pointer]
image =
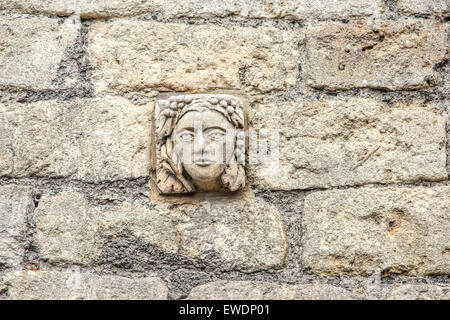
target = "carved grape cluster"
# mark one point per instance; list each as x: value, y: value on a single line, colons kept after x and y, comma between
x: 231, y: 108
x: 240, y: 147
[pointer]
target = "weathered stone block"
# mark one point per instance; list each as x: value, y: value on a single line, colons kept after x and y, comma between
x: 31, y: 50
x: 394, y: 230
x: 290, y: 9
x: 130, y: 55
x: 15, y: 202
x: 427, y: 7
x: 256, y: 290
x: 320, y: 9
x: 3, y: 287
x: 229, y: 233
x: 91, y: 140
x: 419, y: 292
x: 56, y: 285
x: 448, y: 134
x: 389, y: 55
x: 293, y: 9
x: 84, y: 8
x: 354, y: 142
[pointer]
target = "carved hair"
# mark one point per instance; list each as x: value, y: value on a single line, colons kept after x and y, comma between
x: 170, y: 176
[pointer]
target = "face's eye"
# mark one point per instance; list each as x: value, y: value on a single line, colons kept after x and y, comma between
x: 186, y: 136
x: 215, y: 135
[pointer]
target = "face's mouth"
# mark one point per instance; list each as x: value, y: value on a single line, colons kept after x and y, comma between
x: 204, y: 162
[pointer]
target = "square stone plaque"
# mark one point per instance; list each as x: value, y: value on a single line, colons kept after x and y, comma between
x: 199, y: 144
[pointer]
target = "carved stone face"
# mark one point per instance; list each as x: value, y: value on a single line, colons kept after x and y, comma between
x: 203, y: 135
x: 199, y: 144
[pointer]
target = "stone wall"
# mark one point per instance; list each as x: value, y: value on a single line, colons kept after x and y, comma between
x: 359, y: 91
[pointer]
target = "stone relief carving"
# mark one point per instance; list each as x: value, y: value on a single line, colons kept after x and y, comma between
x: 200, y: 144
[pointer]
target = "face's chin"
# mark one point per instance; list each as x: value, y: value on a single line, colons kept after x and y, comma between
x: 205, y: 172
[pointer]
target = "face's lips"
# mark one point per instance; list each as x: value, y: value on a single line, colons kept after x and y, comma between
x: 204, y: 163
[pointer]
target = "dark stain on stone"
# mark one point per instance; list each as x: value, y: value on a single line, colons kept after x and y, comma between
x: 125, y: 251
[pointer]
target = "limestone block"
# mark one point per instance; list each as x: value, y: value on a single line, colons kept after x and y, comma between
x: 388, y: 55
x: 354, y: 142
x: 258, y: 290
x: 130, y: 55
x: 419, y: 292
x: 427, y: 7
x: 392, y: 230
x: 290, y: 9
x: 15, y: 203
x: 70, y: 285
x: 31, y: 50
x: 231, y: 233
x: 99, y: 139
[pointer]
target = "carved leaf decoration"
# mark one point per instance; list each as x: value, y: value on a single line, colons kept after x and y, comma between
x: 178, y: 187
x: 169, y: 147
x: 160, y: 124
x: 234, y: 178
x: 177, y: 161
x: 172, y: 180
x: 161, y: 177
x: 240, y: 114
x: 167, y: 166
x: 240, y: 180
x: 163, y: 152
x: 165, y: 128
x: 167, y: 182
x: 238, y: 118
x: 164, y: 182
x: 170, y: 153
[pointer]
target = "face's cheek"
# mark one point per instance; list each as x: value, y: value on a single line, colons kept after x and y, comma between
x: 216, y: 151
x: 184, y: 150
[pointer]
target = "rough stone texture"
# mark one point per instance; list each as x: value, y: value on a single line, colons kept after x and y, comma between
x: 15, y: 202
x: 85, y: 8
x: 357, y: 88
x: 293, y: 9
x: 56, y: 285
x: 255, y: 290
x: 419, y: 292
x: 91, y: 140
x: 31, y: 50
x: 133, y: 55
x: 395, y: 230
x: 229, y: 233
x: 354, y: 142
x: 3, y: 288
x: 389, y: 55
x: 427, y: 7
x: 448, y: 135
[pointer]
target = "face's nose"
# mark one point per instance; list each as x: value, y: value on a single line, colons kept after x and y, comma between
x: 201, y: 147
x: 199, y: 142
